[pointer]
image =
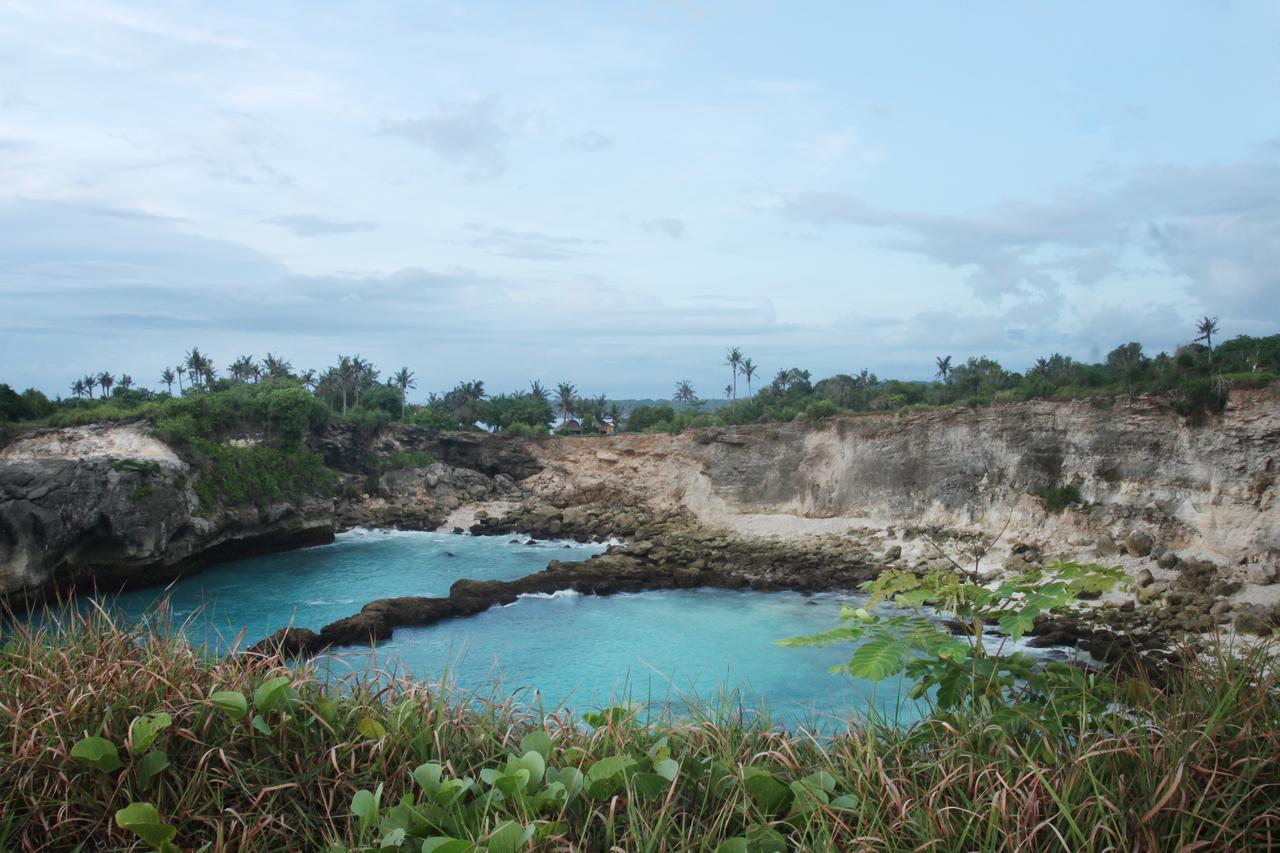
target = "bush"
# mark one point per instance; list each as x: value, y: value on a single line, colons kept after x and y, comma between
x: 819, y: 409
x: 258, y: 476
x: 290, y: 414
x: 1060, y: 497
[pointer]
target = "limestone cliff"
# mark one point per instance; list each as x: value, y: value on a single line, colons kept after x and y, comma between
x: 1209, y: 488
x: 111, y: 503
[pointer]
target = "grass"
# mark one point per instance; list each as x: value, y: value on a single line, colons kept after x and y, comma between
x: 1192, y: 765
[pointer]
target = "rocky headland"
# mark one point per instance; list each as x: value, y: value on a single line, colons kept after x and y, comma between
x: 1189, y: 508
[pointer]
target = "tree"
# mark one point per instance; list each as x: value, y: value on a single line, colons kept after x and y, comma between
x: 89, y: 381
x: 566, y: 398
x: 944, y: 367
x: 780, y: 380
x: 344, y: 376
x: 684, y: 392
x: 276, y: 367
x: 167, y: 376
x: 242, y: 368
x: 77, y: 388
x: 1207, y: 327
x: 403, y: 379
x: 748, y: 371
x: 126, y: 381
x: 200, y: 367
x: 309, y: 379
x: 537, y: 392
x: 181, y: 371
x: 105, y: 381
x: 733, y: 358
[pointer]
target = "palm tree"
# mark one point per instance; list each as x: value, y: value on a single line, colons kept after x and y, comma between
x: 276, y: 367
x: 167, y: 376
x: 344, y: 376
x: 242, y: 368
x: 126, y: 381
x: 77, y: 388
x: 1207, y: 327
x: 403, y: 379
x: 106, y: 380
x: 365, y: 375
x: 566, y: 398
x: 781, y: 379
x: 195, y: 365
x: 944, y: 367
x: 309, y: 379
x: 748, y: 371
x: 181, y: 371
x: 728, y: 391
x: 684, y: 392
x: 89, y: 381
x: 537, y: 392
x: 733, y: 358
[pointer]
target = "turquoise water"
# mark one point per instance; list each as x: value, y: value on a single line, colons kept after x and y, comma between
x: 562, y: 650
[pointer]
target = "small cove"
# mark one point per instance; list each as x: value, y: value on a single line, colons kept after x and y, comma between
x: 562, y: 650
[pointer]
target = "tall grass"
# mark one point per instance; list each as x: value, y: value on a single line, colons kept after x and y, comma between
x: 1194, y: 764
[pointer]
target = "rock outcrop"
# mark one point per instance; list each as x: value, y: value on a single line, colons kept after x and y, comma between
x: 108, y: 507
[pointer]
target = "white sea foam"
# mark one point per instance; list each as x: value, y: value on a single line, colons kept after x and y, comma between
x: 559, y: 593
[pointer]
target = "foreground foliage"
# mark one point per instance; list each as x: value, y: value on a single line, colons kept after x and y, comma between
x: 114, y: 740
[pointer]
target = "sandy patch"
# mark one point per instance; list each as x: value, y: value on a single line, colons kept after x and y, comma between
x: 117, y: 442
x: 465, y: 516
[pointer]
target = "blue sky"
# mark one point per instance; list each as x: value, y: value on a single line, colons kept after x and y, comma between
x: 611, y: 194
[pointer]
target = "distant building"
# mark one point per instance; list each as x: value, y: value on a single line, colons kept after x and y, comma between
x: 568, y: 426
x: 607, y: 426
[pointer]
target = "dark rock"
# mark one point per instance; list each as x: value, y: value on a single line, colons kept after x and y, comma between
x: 1138, y: 544
x: 291, y: 642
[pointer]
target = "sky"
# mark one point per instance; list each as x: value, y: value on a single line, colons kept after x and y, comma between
x: 612, y: 194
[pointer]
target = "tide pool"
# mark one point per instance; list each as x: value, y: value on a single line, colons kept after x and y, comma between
x: 661, y: 648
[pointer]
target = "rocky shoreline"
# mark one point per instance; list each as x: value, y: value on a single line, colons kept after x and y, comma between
x: 1189, y: 511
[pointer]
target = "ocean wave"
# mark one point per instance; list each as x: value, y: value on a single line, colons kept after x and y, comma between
x: 559, y: 593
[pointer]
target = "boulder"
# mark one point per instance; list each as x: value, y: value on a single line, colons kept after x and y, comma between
x: 1138, y: 544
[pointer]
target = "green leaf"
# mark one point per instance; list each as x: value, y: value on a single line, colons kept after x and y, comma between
x: 230, y: 701
x: 509, y: 837
x: 371, y: 728
x: 150, y: 766
x: 737, y: 844
x: 878, y: 658
x: 145, y: 729
x: 394, y: 838
x: 534, y: 763
x: 444, y: 844
x: 261, y: 725
x: 364, y: 804
x: 539, y: 742
x: 97, y: 752
x: 144, y: 821
x: 667, y: 768
x: 607, y: 768
x: 1018, y: 622
x: 771, y: 795
x: 649, y: 784
x: 428, y: 777
x: 271, y: 693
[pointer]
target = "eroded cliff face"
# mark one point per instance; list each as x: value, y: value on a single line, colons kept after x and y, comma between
x: 1209, y: 488
x: 111, y: 504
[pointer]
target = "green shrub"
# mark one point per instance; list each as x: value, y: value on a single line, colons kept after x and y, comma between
x: 1060, y: 497
x: 819, y: 409
x: 228, y: 476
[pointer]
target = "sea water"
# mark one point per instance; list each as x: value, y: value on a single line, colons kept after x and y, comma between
x: 670, y: 649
